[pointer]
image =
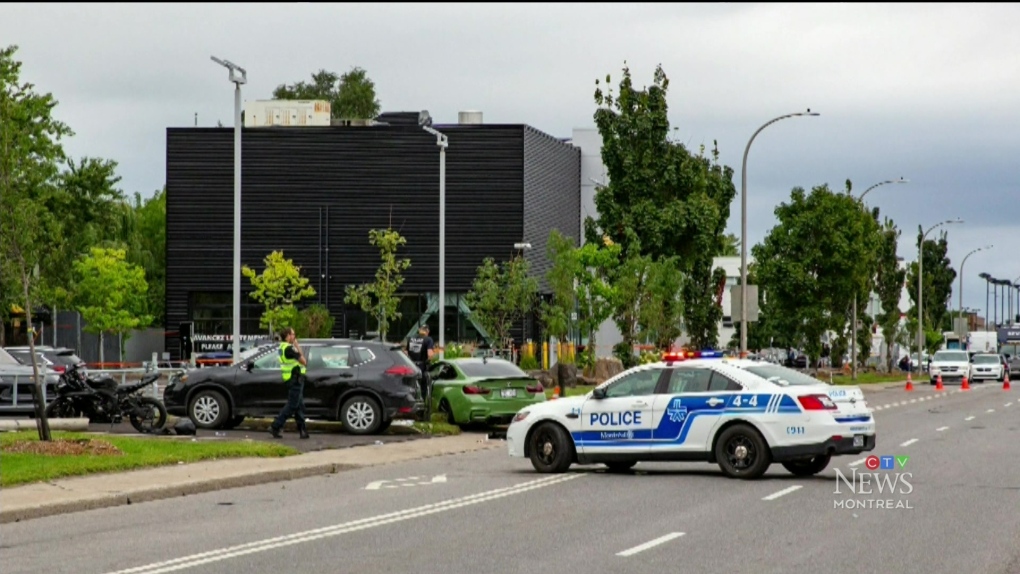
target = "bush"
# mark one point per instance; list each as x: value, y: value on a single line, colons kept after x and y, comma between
x: 528, y: 360
x: 649, y: 357
x: 456, y: 351
x: 625, y: 353
x: 314, y: 322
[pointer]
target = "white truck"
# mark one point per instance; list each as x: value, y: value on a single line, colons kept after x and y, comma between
x: 982, y: 342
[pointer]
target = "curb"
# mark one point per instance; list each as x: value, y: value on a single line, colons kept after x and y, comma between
x: 160, y: 492
x: 71, y: 425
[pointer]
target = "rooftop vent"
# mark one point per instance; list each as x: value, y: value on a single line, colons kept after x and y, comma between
x: 470, y: 117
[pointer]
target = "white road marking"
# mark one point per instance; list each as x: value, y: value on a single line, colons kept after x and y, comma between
x: 970, y: 418
x: 783, y: 492
x: 650, y: 544
x: 909, y: 442
x: 913, y: 400
x: 990, y: 411
x: 404, y: 482
x: 940, y: 429
x: 343, y: 528
x: 1007, y: 404
x: 857, y: 462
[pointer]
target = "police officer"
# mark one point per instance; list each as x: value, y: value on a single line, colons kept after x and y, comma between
x: 292, y: 365
x: 420, y: 349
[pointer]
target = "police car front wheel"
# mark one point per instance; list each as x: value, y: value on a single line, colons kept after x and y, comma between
x: 742, y: 452
x: 550, y: 448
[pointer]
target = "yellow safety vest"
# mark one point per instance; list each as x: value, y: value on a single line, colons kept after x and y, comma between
x: 287, y: 365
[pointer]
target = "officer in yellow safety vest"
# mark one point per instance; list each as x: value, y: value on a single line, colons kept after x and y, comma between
x: 292, y: 366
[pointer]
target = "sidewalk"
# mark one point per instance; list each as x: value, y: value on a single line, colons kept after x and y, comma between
x: 104, y: 490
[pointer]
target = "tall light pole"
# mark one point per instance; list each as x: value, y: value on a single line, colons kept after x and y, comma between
x: 964, y: 262
x: 238, y: 76
x: 743, y: 228
x: 853, y: 328
x: 443, y: 142
x: 1016, y: 285
x: 920, y: 297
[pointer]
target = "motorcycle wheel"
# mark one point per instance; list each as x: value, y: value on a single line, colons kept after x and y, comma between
x: 148, y: 415
x: 64, y: 408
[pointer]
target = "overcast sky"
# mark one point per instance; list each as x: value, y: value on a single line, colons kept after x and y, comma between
x: 925, y: 92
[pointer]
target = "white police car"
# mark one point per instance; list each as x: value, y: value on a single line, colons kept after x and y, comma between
x: 741, y: 414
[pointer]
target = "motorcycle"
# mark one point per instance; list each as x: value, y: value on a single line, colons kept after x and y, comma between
x: 102, y: 400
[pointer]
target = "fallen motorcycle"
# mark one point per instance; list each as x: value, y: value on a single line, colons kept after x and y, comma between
x: 102, y: 400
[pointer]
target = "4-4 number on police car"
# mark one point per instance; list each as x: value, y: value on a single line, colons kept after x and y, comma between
x: 738, y: 401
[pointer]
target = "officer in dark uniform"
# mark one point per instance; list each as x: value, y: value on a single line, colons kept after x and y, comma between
x: 292, y: 367
x: 420, y: 349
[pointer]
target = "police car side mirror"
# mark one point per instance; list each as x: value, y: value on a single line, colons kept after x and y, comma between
x: 599, y: 393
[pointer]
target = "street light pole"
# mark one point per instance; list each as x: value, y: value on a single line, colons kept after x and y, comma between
x: 964, y: 262
x: 443, y: 142
x: 743, y: 228
x: 920, y: 296
x: 853, y: 328
x: 238, y: 76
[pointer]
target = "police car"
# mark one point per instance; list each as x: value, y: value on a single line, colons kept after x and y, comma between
x: 741, y: 414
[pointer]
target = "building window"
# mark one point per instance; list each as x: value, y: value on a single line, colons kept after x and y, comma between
x: 212, y: 313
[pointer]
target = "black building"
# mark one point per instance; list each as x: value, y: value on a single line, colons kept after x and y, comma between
x: 315, y: 192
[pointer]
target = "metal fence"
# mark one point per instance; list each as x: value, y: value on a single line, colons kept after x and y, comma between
x: 70, y: 332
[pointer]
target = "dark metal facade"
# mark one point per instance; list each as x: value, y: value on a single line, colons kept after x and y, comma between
x: 315, y: 192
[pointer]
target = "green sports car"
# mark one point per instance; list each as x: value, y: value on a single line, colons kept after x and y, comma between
x: 482, y: 390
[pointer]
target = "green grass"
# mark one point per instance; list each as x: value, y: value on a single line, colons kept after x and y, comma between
x: 438, y: 426
x: 21, y: 468
x: 865, y: 378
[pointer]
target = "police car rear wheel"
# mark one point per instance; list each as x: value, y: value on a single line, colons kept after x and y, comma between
x: 551, y: 449
x: 742, y: 452
x: 808, y: 467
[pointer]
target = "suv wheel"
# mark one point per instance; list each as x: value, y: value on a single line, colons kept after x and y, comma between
x: 208, y: 409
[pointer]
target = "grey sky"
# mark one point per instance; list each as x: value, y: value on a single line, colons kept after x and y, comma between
x: 922, y: 91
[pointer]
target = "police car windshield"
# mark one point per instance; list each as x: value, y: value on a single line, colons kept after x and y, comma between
x: 491, y: 368
x: 782, y: 375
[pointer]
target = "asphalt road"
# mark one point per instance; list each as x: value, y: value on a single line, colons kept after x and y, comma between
x: 483, y: 512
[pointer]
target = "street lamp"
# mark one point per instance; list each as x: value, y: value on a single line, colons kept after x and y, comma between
x: 443, y: 142
x: 238, y: 76
x: 920, y: 274
x: 961, y: 274
x: 743, y: 228
x: 987, y: 279
x: 1016, y: 285
x: 854, y: 329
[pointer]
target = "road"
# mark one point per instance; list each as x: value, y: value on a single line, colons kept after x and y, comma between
x: 483, y: 512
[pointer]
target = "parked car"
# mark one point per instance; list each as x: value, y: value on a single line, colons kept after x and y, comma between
x: 17, y: 391
x: 486, y: 390
x: 56, y: 358
x: 986, y: 367
x: 951, y: 365
x: 1012, y: 353
x: 364, y: 384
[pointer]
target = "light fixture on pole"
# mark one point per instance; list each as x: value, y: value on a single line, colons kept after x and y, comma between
x: 988, y: 294
x: 920, y: 296
x: 238, y: 76
x: 964, y: 262
x: 853, y: 328
x: 443, y: 142
x: 743, y: 227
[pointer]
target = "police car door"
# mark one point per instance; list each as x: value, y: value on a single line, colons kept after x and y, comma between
x: 694, y: 401
x: 622, y: 421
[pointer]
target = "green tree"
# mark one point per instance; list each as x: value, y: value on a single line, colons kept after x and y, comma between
x: 500, y: 296
x: 729, y: 245
x: 351, y: 95
x: 379, y: 298
x: 30, y: 153
x: 661, y: 315
x: 279, y: 287
x: 937, y: 287
x: 822, y: 252
x: 889, y: 279
x: 596, y: 295
x: 148, y: 249
x: 555, y: 312
x: 674, y: 203
x: 111, y: 294
x: 315, y: 322
x: 631, y: 281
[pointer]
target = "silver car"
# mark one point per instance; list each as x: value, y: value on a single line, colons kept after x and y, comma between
x: 16, y: 385
x: 986, y: 367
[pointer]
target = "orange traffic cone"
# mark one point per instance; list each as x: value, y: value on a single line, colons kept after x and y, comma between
x: 1005, y: 383
x: 556, y: 393
x: 966, y: 385
x: 910, y: 383
x: 938, y: 383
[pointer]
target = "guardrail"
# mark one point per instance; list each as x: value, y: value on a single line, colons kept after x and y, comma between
x: 23, y: 406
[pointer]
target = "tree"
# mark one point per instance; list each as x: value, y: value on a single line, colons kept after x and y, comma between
x: 278, y: 288
x: 148, y: 249
x: 729, y: 245
x: 556, y: 312
x: 30, y: 152
x: 315, y: 322
x: 379, y: 298
x: 662, y: 312
x: 351, y: 95
x: 630, y: 307
x: 500, y: 296
x: 811, y: 265
x: 936, y: 287
x: 672, y: 202
x: 889, y: 278
x: 111, y: 294
x: 596, y: 295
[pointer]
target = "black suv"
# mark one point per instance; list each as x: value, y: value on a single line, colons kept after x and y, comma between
x: 363, y: 384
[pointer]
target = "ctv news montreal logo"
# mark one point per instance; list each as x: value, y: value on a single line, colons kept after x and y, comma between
x: 884, y: 485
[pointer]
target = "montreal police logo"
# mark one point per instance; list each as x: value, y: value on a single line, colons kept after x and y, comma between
x: 676, y: 411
